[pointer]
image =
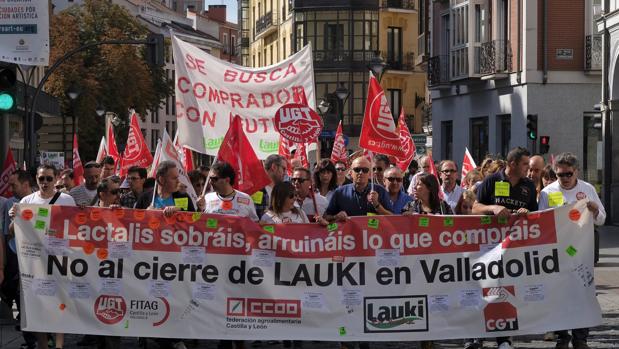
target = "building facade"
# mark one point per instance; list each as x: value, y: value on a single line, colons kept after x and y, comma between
x: 502, y: 73
x: 229, y: 33
x: 346, y: 36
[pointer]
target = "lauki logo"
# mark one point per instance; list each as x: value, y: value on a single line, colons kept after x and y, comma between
x: 500, y: 315
x: 396, y: 314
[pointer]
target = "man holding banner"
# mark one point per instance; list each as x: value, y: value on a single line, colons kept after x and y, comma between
x: 165, y: 195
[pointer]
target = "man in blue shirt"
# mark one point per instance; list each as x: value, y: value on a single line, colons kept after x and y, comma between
x: 358, y: 198
x: 393, y: 178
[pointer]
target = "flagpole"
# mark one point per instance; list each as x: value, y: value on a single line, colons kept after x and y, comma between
x: 313, y: 195
x: 152, y: 202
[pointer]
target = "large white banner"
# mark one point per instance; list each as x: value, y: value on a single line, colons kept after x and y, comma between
x: 209, y: 92
x: 24, y: 32
x: 135, y: 273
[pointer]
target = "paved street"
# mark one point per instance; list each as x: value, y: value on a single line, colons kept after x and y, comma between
x: 605, y: 336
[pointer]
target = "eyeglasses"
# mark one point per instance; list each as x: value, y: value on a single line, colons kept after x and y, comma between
x: 133, y: 178
x: 45, y: 178
x: 394, y: 179
x: 565, y: 174
x: 113, y: 191
x: 361, y: 169
x: 340, y: 169
x: 377, y: 169
x: 300, y: 180
x: 448, y: 171
x: 214, y: 178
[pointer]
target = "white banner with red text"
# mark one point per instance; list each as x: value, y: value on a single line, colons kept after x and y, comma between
x: 136, y: 273
x: 210, y: 92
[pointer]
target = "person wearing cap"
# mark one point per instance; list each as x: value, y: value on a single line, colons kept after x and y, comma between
x: 136, y: 176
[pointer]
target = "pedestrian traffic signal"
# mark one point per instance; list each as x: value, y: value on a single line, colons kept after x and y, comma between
x: 544, y: 144
x: 155, y: 50
x: 532, y: 126
x: 8, y: 83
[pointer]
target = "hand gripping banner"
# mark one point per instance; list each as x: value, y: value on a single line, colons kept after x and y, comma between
x: 385, y: 278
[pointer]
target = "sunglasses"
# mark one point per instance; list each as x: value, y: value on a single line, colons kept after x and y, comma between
x: 214, y: 178
x: 448, y: 171
x: 45, y: 178
x: 565, y: 174
x: 377, y: 169
x: 394, y: 179
x: 300, y: 180
x: 340, y: 169
x: 361, y: 169
x: 113, y: 191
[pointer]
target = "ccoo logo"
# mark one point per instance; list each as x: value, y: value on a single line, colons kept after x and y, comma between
x: 110, y: 309
x: 500, y: 315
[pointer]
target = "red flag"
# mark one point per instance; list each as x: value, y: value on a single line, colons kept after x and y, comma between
x: 339, y: 146
x: 301, y: 153
x: 188, y: 159
x: 10, y: 166
x: 284, y: 150
x: 136, y: 151
x: 78, y: 169
x: 111, y: 148
x: 237, y: 151
x: 184, y: 154
x: 378, y: 132
x: 433, y: 171
x: 468, y: 164
x: 407, y: 144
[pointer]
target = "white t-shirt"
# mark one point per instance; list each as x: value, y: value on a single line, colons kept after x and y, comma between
x: 308, y: 205
x: 582, y: 190
x: 35, y: 198
x: 240, y: 205
x: 271, y: 217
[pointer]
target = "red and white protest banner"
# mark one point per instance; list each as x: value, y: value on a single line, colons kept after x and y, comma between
x: 210, y: 92
x: 468, y: 164
x: 102, y: 152
x: 298, y: 123
x: 153, y: 166
x: 112, y: 149
x: 237, y: 151
x: 122, y: 272
x: 406, y: 141
x: 301, y: 154
x: 9, y: 167
x: 339, y: 146
x: 136, y: 151
x: 78, y: 169
x: 169, y: 152
x: 378, y: 132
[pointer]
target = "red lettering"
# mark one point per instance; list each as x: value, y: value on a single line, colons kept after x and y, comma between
x: 299, y: 93
x: 224, y: 96
x: 180, y: 86
x: 211, y: 119
x: 265, y: 103
x: 290, y: 70
x: 213, y: 95
x: 189, y: 61
x: 235, y: 98
x: 281, y: 100
x: 195, y: 63
x: 180, y: 110
x: 272, y: 76
x: 260, y: 77
x: 199, y: 90
x: 193, y: 114
x: 230, y: 75
x: 264, y: 121
x: 247, y: 129
x: 251, y: 99
x: 246, y: 80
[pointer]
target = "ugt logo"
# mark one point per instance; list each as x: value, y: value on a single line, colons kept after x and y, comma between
x: 500, y: 315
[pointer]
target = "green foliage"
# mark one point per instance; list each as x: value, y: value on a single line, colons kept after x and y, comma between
x: 114, y: 76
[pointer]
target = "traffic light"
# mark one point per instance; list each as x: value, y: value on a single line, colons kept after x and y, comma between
x: 8, y: 84
x: 532, y: 126
x: 544, y: 144
x: 155, y: 49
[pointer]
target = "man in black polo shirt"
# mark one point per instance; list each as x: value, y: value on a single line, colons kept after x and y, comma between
x: 505, y: 192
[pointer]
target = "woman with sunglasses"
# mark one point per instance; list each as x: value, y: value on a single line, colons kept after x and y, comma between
x: 341, y: 167
x: 282, y: 208
x: 325, y: 178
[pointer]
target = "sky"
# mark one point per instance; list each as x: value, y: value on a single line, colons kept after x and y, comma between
x: 231, y: 10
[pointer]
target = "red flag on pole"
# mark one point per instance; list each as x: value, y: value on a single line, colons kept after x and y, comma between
x: 339, y: 146
x: 136, y: 151
x: 378, y: 131
x: 10, y: 166
x: 78, y: 169
x: 111, y: 148
x: 433, y: 171
x: 301, y: 154
x: 407, y: 144
x: 237, y: 151
x: 468, y: 164
x: 102, y: 152
x: 284, y: 150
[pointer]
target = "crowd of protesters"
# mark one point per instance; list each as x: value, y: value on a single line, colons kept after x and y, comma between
x: 325, y: 193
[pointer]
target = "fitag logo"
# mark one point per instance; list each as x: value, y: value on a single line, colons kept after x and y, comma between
x: 396, y: 314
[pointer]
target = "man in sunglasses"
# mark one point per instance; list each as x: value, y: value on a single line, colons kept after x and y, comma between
x: 85, y: 193
x: 359, y: 198
x: 393, y: 182
x: 568, y: 189
x: 380, y: 163
x: 302, y: 181
x: 449, y: 173
x: 225, y: 199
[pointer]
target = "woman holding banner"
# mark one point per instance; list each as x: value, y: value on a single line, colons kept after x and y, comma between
x: 282, y: 208
x: 325, y: 178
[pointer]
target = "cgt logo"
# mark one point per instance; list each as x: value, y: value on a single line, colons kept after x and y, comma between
x: 500, y: 315
x: 257, y: 307
x: 395, y: 314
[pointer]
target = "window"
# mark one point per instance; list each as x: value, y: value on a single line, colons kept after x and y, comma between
x: 233, y: 46
x: 447, y: 139
x: 271, y: 52
x: 334, y: 37
x: 459, y: 66
x: 226, y: 44
x: 394, y: 47
x: 154, y: 136
x: 154, y: 116
x: 504, y: 125
x: 395, y: 102
x: 284, y: 47
x: 479, y: 138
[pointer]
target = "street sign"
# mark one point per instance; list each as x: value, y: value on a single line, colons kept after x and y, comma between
x: 420, y: 143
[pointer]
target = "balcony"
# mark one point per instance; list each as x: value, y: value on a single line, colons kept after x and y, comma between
x: 495, y: 59
x: 593, y: 52
x: 266, y: 24
x: 408, y: 5
x: 406, y: 63
x: 438, y: 72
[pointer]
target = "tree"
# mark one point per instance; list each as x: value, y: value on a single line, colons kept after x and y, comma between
x: 114, y: 76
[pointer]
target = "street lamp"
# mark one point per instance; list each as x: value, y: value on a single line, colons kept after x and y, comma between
x: 100, y: 110
x: 323, y: 107
x: 342, y: 95
x: 378, y: 66
x: 73, y: 92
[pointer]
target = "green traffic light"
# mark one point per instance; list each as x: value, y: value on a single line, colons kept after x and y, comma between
x: 532, y: 135
x: 6, y: 101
